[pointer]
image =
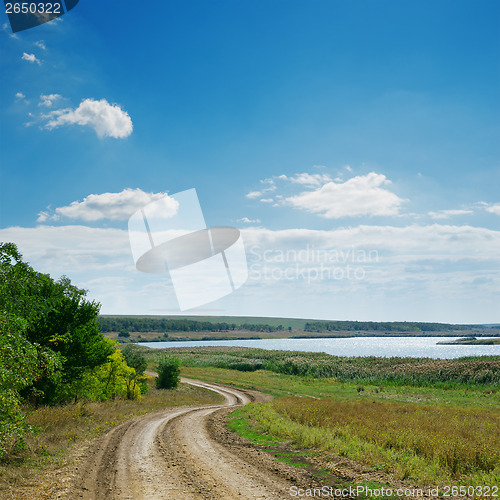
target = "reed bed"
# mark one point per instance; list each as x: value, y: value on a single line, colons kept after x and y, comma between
x: 469, y: 371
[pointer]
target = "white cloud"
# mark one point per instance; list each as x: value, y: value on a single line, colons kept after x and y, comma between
x: 113, y: 206
x: 30, y: 57
x: 359, y: 196
x: 20, y: 95
x: 413, y: 242
x: 108, y: 120
x: 446, y: 214
x: 41, y: 44
x: 48, y: 100
x: 246, y: 220
x: 270, y: 187
x: 266, y: 200
x: 418, y: 266
x: 254, y: 194
x: 307, y: 179
x: 494, y: 209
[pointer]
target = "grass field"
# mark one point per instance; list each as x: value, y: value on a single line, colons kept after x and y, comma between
x: 426, y: 435
x: 463, y: 372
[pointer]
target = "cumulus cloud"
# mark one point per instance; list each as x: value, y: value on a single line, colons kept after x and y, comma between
x: 30, y: 58
x: 20, y: 95
x: 359, y: 196
x: 48, y: 100
x: 41, y: 44
x: 446, y: 214
x: 112, y: 206
x: 108, y: 120
x: 493, y: 209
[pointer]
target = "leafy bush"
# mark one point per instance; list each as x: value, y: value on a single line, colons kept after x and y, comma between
x: 135, y: 359
x: 21, y: 363
x: 168, y: 373
x: 57, y: 319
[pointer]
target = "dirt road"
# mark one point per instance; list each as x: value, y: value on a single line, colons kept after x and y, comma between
x: 171, y: 454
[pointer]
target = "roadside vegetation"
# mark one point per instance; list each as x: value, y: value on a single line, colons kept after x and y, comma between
x: 415, y: 372
x: 51, y: 349
x: 422, y: 421
x: 169, y: 373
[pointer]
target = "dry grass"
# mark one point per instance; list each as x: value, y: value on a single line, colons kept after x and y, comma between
x: 460, y: 440
x: 63, y: 428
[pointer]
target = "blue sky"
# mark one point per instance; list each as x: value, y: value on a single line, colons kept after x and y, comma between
x: 327, y: 125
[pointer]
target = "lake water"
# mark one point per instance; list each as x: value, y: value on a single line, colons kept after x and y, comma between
x: 415, y: 347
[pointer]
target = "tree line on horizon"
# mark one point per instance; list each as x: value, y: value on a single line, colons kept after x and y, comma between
x: 141, y: 324
x: 393, y: 326
x: 165, y: 325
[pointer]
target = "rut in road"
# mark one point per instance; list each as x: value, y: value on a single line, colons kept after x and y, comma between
x: 170, y: 455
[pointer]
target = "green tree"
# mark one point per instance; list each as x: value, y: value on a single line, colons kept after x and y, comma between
x: 135, y: 359
x: 57, y: 317
x: 113, y: 378
x: 21, y: 363
x: 168, y: 373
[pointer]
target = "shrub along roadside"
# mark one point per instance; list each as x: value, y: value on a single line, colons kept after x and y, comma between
x: 169, y: 373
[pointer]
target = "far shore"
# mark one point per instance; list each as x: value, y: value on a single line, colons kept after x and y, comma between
x: 466, y: 338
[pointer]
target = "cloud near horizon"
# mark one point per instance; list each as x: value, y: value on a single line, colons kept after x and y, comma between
x: 446, y: 214
x: 420, y: 263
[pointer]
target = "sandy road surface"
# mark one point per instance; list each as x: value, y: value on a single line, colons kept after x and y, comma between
x: 170, y: 454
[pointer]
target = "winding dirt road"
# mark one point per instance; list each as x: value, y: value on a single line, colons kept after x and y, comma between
x: 171, y: 455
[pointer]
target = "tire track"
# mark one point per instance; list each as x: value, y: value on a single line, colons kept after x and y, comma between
x: 170, y: 454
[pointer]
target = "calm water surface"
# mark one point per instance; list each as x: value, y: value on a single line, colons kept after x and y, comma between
x: 415, y: 347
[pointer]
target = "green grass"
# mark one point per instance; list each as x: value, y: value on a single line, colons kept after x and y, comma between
x: 281, y: 385
x: 240, y: 425
x: 290, y: 458
x: 372, y: 486
x: 470, y: 372
x: 426, y: 435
